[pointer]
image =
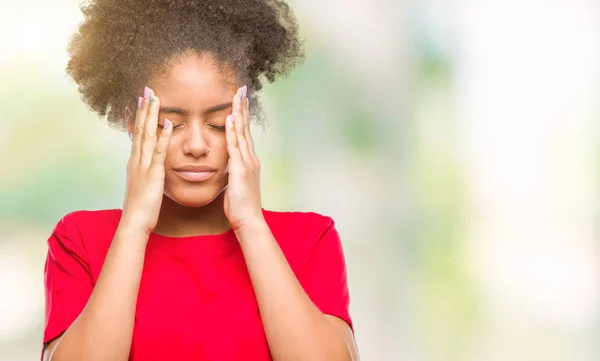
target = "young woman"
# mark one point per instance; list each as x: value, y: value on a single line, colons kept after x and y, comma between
x: 192, y: 267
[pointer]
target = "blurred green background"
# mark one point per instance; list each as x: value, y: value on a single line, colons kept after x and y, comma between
x: 454, y: 143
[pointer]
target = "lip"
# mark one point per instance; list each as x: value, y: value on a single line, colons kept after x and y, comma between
x: 195, y: 173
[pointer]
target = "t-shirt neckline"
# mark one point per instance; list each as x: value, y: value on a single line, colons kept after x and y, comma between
x: 221, y: 242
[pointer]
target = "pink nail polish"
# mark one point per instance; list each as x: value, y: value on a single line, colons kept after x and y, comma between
x: 167, y: 124
x: 244, y: 90
x: 140, y: 99
x: 146, y: 92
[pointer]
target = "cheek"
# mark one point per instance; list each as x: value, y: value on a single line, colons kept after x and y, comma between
x: 221, y: 157
x: 216, y: 141
x: 171, y: 151
x: 218, y: 146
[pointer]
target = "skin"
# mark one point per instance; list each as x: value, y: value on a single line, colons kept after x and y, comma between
x: 158, y: 200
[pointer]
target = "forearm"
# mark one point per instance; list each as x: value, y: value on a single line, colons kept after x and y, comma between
x: 104, y: 329
x: 295, y: 328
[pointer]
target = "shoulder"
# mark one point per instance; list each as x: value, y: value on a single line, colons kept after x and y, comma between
x: 85, y: 232
x: 84, y: 221
x: 306, y: 223
x: 299, y: 233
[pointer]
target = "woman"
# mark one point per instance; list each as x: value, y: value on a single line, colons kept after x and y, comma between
x: 192, y: 267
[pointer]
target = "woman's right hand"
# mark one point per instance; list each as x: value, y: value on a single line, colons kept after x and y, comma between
x: 145, y: 169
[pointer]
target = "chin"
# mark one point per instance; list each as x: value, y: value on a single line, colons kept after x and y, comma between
x: 194, y: 196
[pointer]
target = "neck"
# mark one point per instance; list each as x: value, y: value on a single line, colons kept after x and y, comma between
x: 176, y: 220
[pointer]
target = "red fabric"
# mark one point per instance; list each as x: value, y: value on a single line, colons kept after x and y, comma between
x: 196, y: 301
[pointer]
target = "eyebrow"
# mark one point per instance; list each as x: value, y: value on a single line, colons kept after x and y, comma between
x: 177, y: 110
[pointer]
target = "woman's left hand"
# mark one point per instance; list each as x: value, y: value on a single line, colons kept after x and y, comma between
x: 242, y: 196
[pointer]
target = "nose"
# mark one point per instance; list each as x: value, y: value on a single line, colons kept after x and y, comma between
x: 195, y: 143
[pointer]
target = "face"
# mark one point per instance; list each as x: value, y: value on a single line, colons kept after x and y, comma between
x: 196, y: 97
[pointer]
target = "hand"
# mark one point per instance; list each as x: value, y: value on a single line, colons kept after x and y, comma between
x: 242, y: 196
x: 145, y: 169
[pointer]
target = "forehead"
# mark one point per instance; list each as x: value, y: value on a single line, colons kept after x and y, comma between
x: 193, y: 82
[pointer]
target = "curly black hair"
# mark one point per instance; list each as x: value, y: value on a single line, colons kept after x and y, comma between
x: 122, y: 43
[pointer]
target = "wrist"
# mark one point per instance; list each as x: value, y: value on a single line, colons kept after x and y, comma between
x: 130, y: 231
x: 251, y: 228
x: 136, y: 222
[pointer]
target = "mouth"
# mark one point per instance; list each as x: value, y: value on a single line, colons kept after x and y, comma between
x: 195, y: 173
x: 195, y: 176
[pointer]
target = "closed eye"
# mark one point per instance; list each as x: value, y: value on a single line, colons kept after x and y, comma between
x: 220, y: 128
x: 175, y: 126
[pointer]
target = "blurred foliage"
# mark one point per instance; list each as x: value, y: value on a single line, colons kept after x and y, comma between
x: 318, y: 104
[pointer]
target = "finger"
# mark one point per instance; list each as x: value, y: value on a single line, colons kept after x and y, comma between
x: 149, y: 133
x: 238, y: 119
x: 232, y: 140
x: 247, y: 132
x: 138, y: 128
x: 162, y: 145
x: 245, y: 109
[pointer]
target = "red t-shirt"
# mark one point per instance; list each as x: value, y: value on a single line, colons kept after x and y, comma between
x: 196, y: 300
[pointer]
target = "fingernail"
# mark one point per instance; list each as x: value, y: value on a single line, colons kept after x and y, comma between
x: 140, y: 99
x: 229, y: 122
x: 146, y: 92
x: 167, y: 124
x: 244, y: 90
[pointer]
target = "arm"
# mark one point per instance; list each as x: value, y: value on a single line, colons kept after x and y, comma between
x: 104, y: 328
x: 295, y: 328
x: 108, y: 317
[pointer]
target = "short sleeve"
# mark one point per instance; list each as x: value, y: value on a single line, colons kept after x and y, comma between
x: 67, y: 279
x: 325, y: 279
